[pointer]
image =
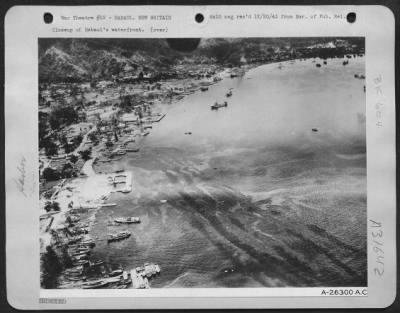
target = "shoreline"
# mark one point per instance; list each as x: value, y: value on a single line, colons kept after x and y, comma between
x: 89, y: 168
x: 97, y: 178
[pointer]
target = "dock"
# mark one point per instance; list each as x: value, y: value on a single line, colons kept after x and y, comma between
x: 104, y: 281
x: 116, y: 180
x: 138, y: 281
x: 105, y: 205
x: 153, y: 118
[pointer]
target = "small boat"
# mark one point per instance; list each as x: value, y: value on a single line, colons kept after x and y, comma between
x: 105, y: 205
x: 94, y: 285
x: 96, y: 263
x: 79, y: 246
x: 203, y: 88
x: 318, y: 65
x: 228, y: 270
x: 80, y: 262
x: 74, y: 270
x: 73, y: 273
x: 80, y: 257
x: 119, y: 236
x: 234, y: 75
x: 116, y: 272
x: 127, y: 220
x: 314, y: 130
x: 82, y: 230
x: 80, y: 252
x: 217, y: 105
x: 89, y: 242
x: 229, y: 93
x: 74, y: 239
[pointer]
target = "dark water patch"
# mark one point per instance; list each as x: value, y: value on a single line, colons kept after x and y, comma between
x: 173, y: 178
x: 314, y: 249
x: 260, y: 171
x: 274, y: 212
x: 252, y: 208
x: 266, y: 201
x: 260, y: 259
x: 282, y: 208
x: 187, y: 178
x: 237, y: 223
x: 323, y: 233
x: 192, y: 202
x: 296, y: 267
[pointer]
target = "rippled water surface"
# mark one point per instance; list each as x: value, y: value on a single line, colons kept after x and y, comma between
x: 270, y: 191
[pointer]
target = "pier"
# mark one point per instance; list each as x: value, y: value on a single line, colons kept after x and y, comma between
x: 138, y: 281
x: 124, y: 179
x: 153, y: 118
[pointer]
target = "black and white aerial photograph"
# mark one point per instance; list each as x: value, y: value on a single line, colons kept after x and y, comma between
x: 202, y: 163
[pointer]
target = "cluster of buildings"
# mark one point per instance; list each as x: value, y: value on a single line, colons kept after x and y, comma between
x: 333, y: 48
x: 108, y: 110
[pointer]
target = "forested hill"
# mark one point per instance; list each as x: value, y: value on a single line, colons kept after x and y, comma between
x: 83, y: 59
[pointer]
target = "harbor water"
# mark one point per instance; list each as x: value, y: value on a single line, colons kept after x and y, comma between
x: 268, y: 191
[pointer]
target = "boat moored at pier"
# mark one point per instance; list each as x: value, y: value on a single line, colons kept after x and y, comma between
x: 127, y: 220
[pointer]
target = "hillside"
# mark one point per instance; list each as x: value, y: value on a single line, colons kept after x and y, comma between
x: 84, y: 59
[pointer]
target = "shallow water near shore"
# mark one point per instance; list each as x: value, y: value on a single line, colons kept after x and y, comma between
x: 269, y: 191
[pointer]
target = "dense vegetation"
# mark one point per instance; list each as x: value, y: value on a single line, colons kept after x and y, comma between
x: 51, y: 268
x: 53, y: 261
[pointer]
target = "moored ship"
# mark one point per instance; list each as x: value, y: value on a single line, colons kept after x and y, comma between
x: 119, y: 236
x: 217, y: 105
x: 127, y: 220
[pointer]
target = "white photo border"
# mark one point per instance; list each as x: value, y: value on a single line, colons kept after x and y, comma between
x: 24, y: 26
